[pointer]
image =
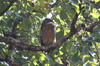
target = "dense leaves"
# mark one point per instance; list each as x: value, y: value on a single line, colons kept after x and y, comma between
x: 23, y: 18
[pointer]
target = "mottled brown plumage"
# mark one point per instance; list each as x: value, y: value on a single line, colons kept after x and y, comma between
x: 48, y: 34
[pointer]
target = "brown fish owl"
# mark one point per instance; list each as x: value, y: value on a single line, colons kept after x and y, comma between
x: 48, y: 32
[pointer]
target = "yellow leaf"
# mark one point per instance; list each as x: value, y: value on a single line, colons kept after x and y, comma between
x: 95, y: 15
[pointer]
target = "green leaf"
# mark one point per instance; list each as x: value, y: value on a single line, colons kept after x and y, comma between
x: 75, y: 57
x: 10, y: 23
x: 60, y: 34
x: 63, y: 15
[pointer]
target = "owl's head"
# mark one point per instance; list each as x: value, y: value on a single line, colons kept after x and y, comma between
x: 46, y: 20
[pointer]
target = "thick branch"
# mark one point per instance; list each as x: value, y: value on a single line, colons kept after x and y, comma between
x: 7, y: 8
x: 73, y: 29
x: 23, y: 46
x: 74, y: 20
x: 14, y: 42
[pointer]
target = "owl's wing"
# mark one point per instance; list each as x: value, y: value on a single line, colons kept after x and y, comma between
x: 41, y: 32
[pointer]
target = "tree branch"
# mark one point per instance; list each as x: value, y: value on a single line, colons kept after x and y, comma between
x: 14, y: 27
x: 7, y: 8
x: 23, y: 46
x: 73, y: 29
x: 90, y: 27
x: 2, y: 59
x: 74, y: 20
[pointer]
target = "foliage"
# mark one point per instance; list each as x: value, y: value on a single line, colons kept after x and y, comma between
x: 81, y: 49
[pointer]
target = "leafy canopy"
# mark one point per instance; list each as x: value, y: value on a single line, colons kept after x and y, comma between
x: 81, y: 49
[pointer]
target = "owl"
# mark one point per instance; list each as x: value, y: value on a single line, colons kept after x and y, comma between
x: 48, y: 32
